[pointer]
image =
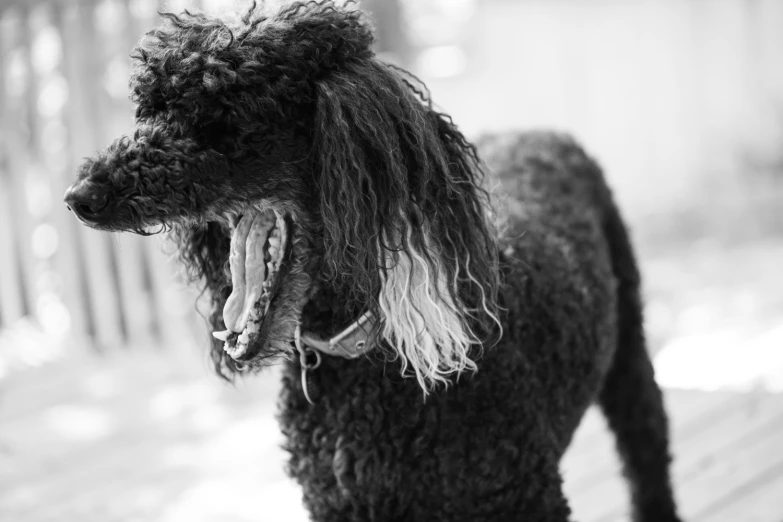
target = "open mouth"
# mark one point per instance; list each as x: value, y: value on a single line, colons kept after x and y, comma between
x: 259, y: 242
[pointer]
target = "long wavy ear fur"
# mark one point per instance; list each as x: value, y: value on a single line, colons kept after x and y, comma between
x: 406, y: 228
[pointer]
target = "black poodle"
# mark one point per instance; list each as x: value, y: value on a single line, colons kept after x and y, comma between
x: 436, y: 362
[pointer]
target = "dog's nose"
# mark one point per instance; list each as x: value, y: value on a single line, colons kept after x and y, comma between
x: 86, y: 200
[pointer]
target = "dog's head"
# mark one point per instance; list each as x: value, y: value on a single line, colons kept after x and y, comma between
x: 306, y: 183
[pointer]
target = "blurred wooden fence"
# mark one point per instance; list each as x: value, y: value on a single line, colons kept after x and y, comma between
x: 63, y: 95
x: 681, y: 100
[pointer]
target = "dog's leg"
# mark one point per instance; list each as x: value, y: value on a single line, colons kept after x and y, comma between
x: 631, y: 399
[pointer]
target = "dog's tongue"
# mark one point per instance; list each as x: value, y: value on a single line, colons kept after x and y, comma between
x: 248, y: 270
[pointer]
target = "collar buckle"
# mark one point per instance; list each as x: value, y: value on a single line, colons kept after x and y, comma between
x: 348, y: 344
x: 305, y: 362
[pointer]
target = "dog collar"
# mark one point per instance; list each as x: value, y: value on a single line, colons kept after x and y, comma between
x: 349, y: 344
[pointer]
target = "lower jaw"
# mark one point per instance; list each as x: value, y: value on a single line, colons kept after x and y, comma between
x: 238, y: 344
x: 247, y: 344
x: 291, y: 293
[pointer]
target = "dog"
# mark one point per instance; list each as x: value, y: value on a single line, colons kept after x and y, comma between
x: 440, y: 344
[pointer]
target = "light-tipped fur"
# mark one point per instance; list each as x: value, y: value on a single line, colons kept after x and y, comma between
x: 420, y: 321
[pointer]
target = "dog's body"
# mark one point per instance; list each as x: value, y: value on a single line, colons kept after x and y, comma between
x: 307, y: 184
x: 488, y: 447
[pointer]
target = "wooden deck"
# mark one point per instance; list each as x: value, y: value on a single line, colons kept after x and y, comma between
x: 141, y: 435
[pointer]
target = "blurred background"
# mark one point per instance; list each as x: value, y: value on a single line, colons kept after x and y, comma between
x: 108, y: 409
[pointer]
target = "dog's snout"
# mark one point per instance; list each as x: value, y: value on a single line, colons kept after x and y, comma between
x: 86, y: 200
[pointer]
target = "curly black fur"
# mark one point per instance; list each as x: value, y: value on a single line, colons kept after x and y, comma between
x: 292, y: 111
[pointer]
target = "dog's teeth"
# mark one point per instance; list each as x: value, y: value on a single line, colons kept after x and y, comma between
x: 239, y: 351
x: 235, y: 351
x: 243, y: 337
x: 221, y: 336
x: 274, y: 248
x: 255, y: 272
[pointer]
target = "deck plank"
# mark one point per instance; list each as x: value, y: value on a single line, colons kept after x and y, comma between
x: 753, y: 460
x: 761, y: 501
x: 691, y: 412
x: 744, y: 418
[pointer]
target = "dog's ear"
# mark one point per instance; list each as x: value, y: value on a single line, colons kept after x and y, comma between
x: 405, y: 217
x: 203, y: 251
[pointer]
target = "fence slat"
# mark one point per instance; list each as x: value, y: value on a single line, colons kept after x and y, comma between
x: 171, y: 318
x: 135, y: 298
x: 78, y: 55
x: 12, y: 305
x: 112, y: 60
x: 72, y: 274
x: 171, y: 312
x: 11, y: 300
x: 16, y: 123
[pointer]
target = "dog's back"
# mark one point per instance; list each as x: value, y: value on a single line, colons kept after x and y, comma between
x: 563, y: 224
x: 560, y: 287
x: 488, y: 447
